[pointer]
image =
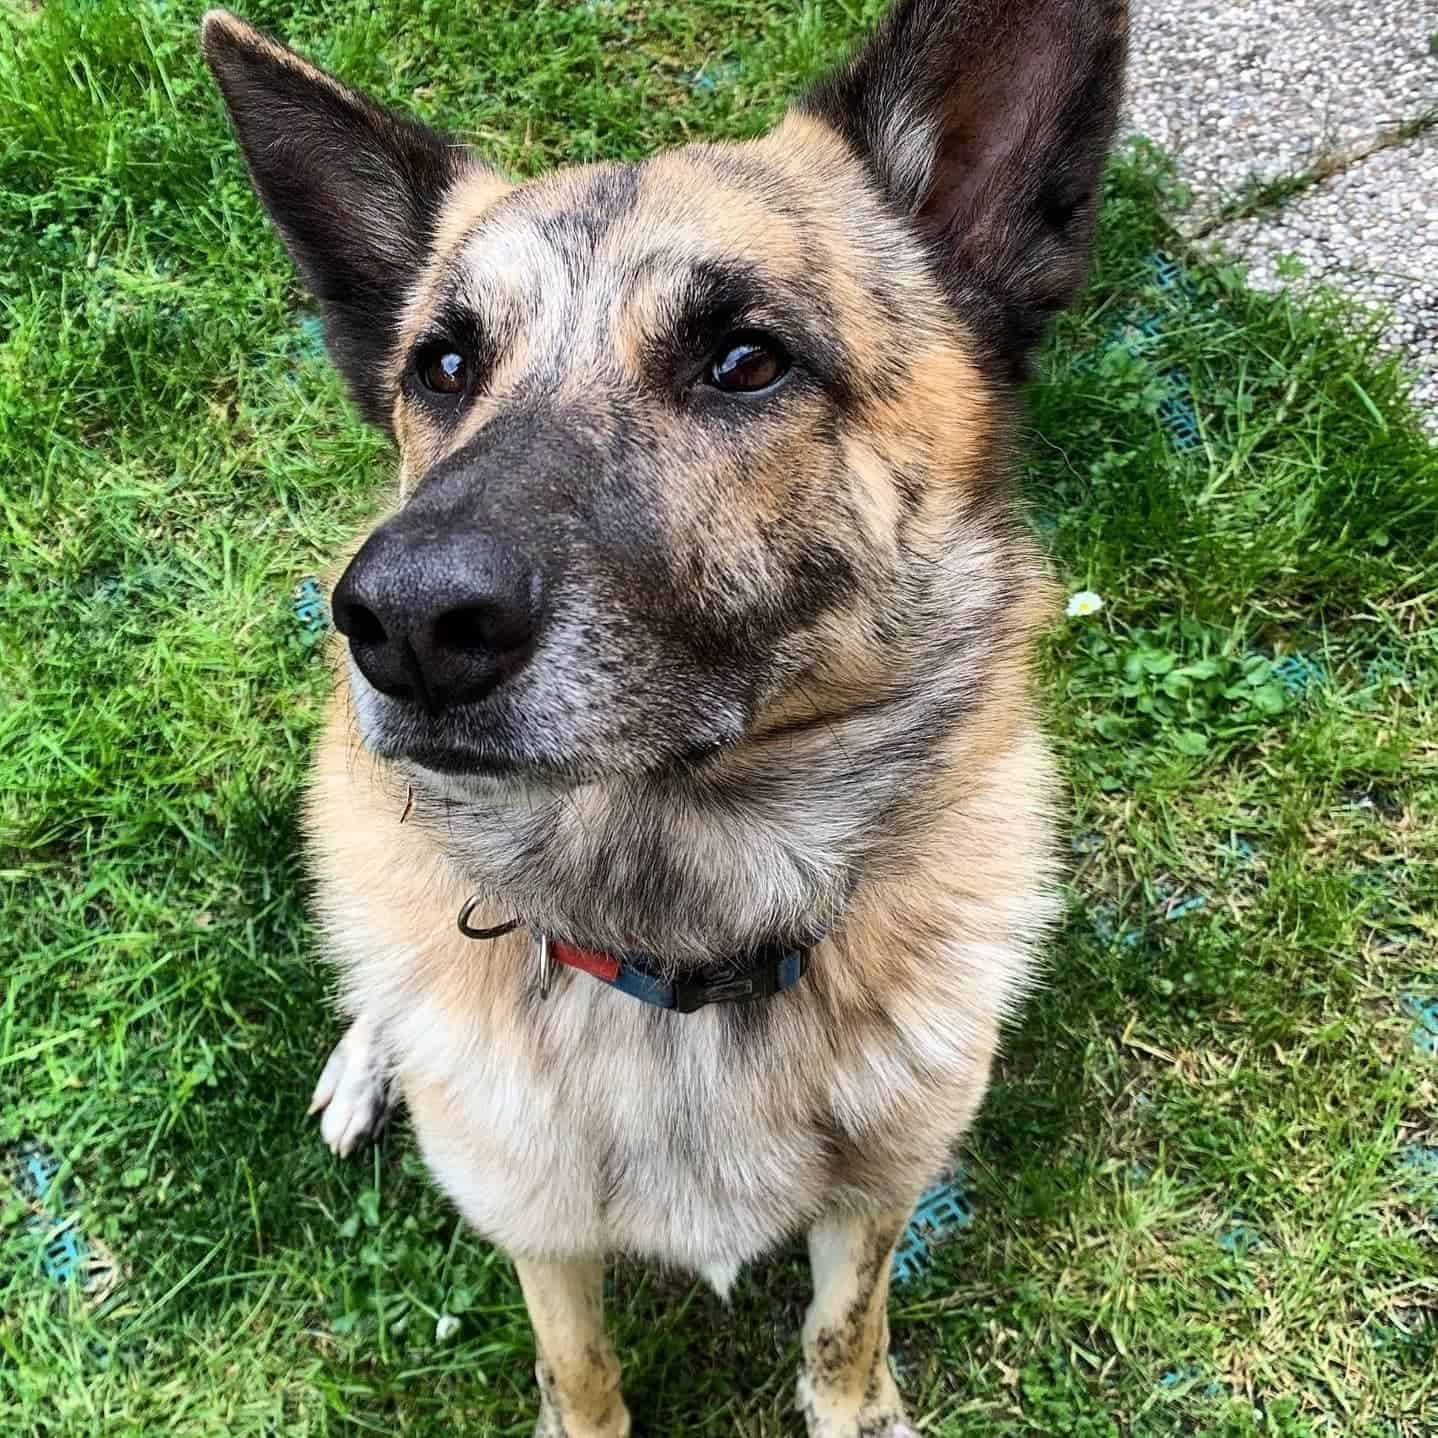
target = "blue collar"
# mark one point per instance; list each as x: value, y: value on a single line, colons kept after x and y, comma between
x: 770, y: 969
x: 762, y: 972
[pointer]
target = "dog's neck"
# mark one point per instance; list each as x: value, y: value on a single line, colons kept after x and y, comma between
x: 765, y: 841
x: 685, y: 866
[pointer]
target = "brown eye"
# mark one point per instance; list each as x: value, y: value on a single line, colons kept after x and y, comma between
x: 744, y: 363
x: 442, y: 370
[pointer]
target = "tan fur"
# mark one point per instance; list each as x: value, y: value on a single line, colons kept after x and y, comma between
x: 775, y: 680
x: 517, y: 1134
x: 845, y: 1382
x: 472, y: 196
x: 560, y: 1158
x: 577, y: 1370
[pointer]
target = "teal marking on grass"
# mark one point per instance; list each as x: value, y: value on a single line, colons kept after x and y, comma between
x: 64, y: 1253
x: 1139, y: 334
x: 1380, y: 903
x: 1169, y: 273
x: 1419, y: 1162
x: 1108, y: 927
x: 308, y: 606
x: 1240, y: 1237
x: 1424, y: 1034
x: 941, y: 1212
x: 1421, y: 1159
x: 1298, y: 673
x: 1177, y: 412
x: 1186, y: 906
x: 714, y: 77
x: 1384, y: 670
x: 311, y: 336
x: 1187, y: 1378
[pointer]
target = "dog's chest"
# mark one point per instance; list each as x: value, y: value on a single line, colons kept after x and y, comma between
x: 592, y: 1123
x: 601, y: 1124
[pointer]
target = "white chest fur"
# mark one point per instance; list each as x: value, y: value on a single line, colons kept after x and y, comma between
x: 592, y: 1122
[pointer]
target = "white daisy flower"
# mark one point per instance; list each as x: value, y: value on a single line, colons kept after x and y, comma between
x: 1084, y: 603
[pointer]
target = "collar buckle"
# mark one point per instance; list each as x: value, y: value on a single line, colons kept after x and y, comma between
x: 774, y: 970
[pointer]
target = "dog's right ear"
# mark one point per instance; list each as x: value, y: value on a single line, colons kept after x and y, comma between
x: 353, y: 189
x: 986, y: 123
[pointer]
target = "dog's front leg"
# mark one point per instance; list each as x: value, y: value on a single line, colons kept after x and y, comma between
x: 845, y: 1387
x: 354, y: 1092
x: 578, y: 1371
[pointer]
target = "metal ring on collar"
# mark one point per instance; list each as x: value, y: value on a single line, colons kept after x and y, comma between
x: 465, y: 928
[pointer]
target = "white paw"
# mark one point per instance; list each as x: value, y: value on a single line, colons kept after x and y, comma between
x: 877, y: 1415
x: 353, y: 1094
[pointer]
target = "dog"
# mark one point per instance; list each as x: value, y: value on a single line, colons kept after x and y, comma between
x: 681, y: 826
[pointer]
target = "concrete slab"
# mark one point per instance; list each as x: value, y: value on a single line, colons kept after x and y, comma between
x: 1371, y: 229
x: 1239, y: 90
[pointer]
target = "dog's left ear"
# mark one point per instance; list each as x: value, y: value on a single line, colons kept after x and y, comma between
x: 353, y: 189
x: 987, y: 122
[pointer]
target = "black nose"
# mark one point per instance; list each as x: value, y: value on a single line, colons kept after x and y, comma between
x: 435, y: 613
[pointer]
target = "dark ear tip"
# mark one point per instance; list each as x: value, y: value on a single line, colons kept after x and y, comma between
x: 223, y: 33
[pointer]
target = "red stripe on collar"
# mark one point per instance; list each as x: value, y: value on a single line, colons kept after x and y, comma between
x: 589, y: 961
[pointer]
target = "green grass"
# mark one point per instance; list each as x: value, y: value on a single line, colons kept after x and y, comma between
x: 1193, y: 1212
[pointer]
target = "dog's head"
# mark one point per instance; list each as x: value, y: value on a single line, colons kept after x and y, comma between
x: 681, y: 440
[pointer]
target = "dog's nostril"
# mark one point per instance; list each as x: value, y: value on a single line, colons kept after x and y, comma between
x: 437, y: 614
x: 482, y: 629
x: 362, y: 625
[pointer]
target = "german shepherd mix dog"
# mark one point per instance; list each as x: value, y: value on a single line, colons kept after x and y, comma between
x: 689, y: 669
